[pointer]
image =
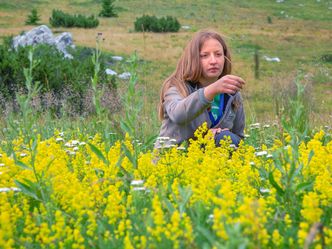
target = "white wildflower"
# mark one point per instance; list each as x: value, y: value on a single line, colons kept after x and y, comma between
x: 23, y: 154
x: 261, y: 153
x: 136, y: 182
x: 75, y: 142
x: 233, y: 146
x: 264, y: 190
x: 181, y: 148
x: 167, y: 146
x: 139, y: 188
x: 255, y: 125
x: 75, y: 149
x: 5, y: 190
x: 2, y: 165
x: 163, y: 138
x: 59, y: 139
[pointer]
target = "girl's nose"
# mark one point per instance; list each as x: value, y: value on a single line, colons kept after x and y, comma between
x: 212, y: 59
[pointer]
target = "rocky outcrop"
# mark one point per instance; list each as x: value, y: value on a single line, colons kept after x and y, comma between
x: 43, y: 35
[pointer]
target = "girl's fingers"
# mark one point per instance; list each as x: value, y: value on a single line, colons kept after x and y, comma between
x: 236, y: 78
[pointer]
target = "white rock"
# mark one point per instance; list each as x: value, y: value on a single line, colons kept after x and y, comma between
x: 110, y: 72
x: 43, y: 35
x: 125, y: 76
x: 117, y: 58
x: 185, y: 27
x: 272, y: 59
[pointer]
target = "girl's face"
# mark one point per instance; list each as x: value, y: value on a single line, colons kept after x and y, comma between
x: 212, y: 60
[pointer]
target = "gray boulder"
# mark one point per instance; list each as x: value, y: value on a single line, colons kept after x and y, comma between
x: 63, y: 41
x: 43, y: 35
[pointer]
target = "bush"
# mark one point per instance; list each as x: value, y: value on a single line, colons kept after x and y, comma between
x: 65, y: 80
x: 108, y: 9
x: 61, y: 19
x: 154, y: 24
x: 33, y: 18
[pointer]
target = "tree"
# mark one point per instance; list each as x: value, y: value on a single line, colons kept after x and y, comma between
x: 108, y: 9
x: 33, y: 18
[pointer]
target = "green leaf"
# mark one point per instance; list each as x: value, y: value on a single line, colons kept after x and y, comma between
x: 280, y: 191
x: 150, y: 141
x: 49, y: 164
x: 126, y: 127
x: 304, y: 186
x: 311, y: 154
x: 98, y: 153
x: 22, y: 165
x: 128, y: 154
x: 27, y: 189
x: 206, y: 233
x: 99, y: 173
x: 169, y: 205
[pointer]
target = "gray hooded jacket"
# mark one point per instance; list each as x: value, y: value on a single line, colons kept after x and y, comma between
x: 182, y: 116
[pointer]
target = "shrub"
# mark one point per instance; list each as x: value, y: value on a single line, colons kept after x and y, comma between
x: 154, y: 24
x: 326, y: 58
x: 108, y: 9
x: 33, y: 18
x: 61, y: 19
x: 61, y: 79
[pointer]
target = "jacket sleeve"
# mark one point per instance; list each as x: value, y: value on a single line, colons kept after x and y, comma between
x: 182, y: 110
x: 239, y: 121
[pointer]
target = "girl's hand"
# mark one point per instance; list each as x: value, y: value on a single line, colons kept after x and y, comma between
x: 227, y: 84
x: 218, y: 130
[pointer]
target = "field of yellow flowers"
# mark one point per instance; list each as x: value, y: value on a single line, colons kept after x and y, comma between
x: 88, y: 194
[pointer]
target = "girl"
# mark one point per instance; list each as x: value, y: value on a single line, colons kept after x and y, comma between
x: 202, y: 89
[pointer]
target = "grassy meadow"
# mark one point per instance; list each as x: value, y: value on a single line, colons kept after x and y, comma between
x: 299, y: 35
x: 93, y: 180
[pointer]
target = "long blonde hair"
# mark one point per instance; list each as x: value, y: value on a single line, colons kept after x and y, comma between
x: 189, y: 68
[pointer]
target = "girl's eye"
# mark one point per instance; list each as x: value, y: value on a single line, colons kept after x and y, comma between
x: 204, y: 55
